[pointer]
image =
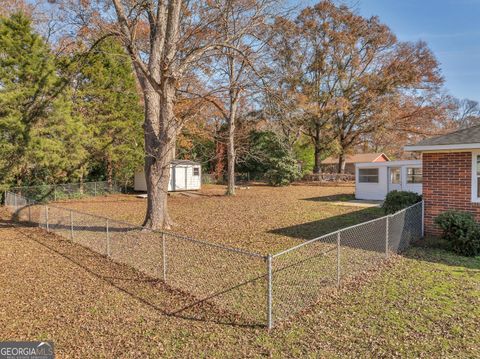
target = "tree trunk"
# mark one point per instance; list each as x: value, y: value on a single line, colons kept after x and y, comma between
x: 160, y: 137
x: 317, y: 168
x: 109, y: 173
x: 341, y: 163
x: 231, y: 149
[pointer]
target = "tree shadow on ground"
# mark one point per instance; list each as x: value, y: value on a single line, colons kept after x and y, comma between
x: 311, y: 230
x: 332, y: 198
x: 152, y: 292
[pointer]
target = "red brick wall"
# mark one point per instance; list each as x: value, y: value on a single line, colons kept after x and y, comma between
x: 447, y: 185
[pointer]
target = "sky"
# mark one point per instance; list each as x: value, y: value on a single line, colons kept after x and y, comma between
x: 451, y: 28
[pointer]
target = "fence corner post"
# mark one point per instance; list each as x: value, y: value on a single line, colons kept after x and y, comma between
x: 269, y: 292
x: 164, y: 258
x: 108, y: 237
x: 338, y: 258
x: 46, y: 219
x: 423, y: 219
x: 71, y: 225
x: 386, y: 236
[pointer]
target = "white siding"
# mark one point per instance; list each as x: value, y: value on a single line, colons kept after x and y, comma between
x: 181, y: 178
x: 372, y: 191
x: 378, y: 191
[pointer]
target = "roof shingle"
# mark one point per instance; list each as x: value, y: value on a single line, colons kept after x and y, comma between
x: 465, y: 136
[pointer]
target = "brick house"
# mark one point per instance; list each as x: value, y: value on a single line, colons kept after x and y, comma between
x: 451, y: 174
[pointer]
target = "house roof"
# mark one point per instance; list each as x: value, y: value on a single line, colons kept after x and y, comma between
x: 359, y: 157
x: 467, y: 138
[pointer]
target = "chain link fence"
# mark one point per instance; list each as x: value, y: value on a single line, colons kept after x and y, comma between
x: 55, y: 192
x: 252, y: 287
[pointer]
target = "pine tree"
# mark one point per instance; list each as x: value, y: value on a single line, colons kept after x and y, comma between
x: 40, y: 140
x: 108, y: 101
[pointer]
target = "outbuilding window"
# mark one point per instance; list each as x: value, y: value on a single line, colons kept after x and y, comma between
x: 414, y: 175
x: 395, y: 175
x: 368, y: 175
x: 196, y: 171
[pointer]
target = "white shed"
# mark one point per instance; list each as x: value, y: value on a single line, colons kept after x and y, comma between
x: 184, y: 176
x: 373, y: 180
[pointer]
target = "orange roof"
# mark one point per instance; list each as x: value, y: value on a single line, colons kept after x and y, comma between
x: 359, y: 157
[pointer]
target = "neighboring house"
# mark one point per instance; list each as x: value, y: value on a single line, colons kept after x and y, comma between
x: 451, y: 174
x: 373, y: 180
x: 330, y: 164
x: 184, y: 176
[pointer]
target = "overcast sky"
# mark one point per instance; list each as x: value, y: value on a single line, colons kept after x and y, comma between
x: 450, y: 27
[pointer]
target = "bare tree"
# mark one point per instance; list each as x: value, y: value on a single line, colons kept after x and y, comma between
x: 232, y: 70
x: 165, y: 40
x: 352, y: 71
x: 465, y: 113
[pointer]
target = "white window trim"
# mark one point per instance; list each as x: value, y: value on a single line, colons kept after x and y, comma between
x: 406, y: 175
x: 369, y: 168
x: 475, y: 195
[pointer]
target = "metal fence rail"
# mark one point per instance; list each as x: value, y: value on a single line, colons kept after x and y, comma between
x: 300, y: 274
x: 255, y: 287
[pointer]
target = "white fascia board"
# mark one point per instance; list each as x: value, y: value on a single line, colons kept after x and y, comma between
x: 389, y: 163
x: 464, y: 146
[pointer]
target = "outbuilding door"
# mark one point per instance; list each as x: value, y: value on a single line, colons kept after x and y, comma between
x: 394, y: 179
x: 179, y: 178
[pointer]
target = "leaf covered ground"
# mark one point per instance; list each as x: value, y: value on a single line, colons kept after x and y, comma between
x: 261, y: 219
x: 425, y: 303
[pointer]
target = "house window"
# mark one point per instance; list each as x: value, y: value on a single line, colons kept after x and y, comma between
x: 395, y: 175
x: 476, y: 178
x: 196, y: 171
x: 414, y: 175
x: 368, y: 175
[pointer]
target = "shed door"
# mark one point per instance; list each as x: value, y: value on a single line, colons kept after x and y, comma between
x: 180, y: 178
x: 394, y: 179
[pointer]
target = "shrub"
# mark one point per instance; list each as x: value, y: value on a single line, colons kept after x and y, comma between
x: 461, y: 231
x: 398, y: 200
x: 282, y: 171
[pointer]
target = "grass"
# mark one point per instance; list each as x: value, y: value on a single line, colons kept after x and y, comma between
x: 261, y: 219
x: 424, y: 303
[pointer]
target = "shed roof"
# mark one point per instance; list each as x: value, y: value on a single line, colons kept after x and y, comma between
x: 359, y: 157
x: 461, y: 139
x: 185, y: 162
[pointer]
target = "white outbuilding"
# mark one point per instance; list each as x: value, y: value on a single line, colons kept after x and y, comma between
x: 184, y: 176
x: 373, y: 180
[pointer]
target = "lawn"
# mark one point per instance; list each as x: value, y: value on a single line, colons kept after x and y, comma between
x: 234, y: 282
x: 425, y: 303
x: 261, y: 219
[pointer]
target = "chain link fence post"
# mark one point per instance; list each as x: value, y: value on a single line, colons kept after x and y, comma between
x: 108, y: 238
x: 386, y: 235
x: 29, y: 204
x: 94, y: 189
x: 423, y: 218
x: 46, y: 219
x: 164, y: 258
x: 54, y: 193
x: 71, y: 225
x: 15, y: 202
x: 269, y: 292
x: 338, y: 258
